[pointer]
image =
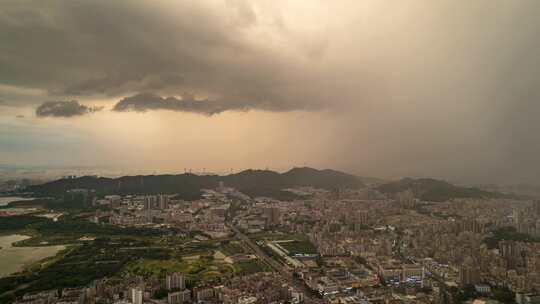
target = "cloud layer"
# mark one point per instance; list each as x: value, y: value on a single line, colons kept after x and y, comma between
x: 441, y: 88
x: 203, y: 47
x: 64, y: 109
x: 187, y: 103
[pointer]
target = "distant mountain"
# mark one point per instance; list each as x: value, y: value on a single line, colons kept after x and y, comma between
x: 433, y: 190
x: 530, y: 191
x: 306, y: 176
x: 188, y: 186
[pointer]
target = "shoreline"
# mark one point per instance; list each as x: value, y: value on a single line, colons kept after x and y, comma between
x: 15, y: 259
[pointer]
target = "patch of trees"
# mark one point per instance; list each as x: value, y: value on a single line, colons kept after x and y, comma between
x: 508, y: 234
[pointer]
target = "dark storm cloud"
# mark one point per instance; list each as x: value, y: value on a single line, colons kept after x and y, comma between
x: 116, y: 48
x: 442, y: 88
x: 64, y: 109
x: 187, y: 103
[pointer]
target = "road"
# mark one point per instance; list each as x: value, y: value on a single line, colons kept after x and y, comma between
x: 285, y: 272
x: 261, y: 254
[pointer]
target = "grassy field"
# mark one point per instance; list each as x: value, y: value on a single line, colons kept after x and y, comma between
x: 250, y: 267
x: 155, y: 268
x: 198, y: 248
x: 272, y: 236
x: 196, y: 268
x: 232, y: 248
x: 301, y: 247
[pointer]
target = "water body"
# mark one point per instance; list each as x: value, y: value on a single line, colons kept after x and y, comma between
x: 8, y: 199
x: 14, y: 259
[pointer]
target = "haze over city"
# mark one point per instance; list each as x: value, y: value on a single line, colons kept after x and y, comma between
x: 445, y: 89
x: 269, y: 152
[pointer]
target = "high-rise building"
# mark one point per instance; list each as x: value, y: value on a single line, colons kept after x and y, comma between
x: 203, y: 293
x: 163, y: 201
x: 272, y: 216
x: 511, y: 252
x: 508, y: 249
x: 406, y: 199
x: 175, y: 281
x: 536, y: 208
x: 469, y: 273
x: 471, y: 225
x: 149, y: 202
x: 516, y: 216
x: 136, y: 296
x: 363, y: 218
x: 179, y: 297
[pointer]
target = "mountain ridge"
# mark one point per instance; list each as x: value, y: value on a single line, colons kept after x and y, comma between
x: 435, y: 190
x: 189, y: 186
x: 255, y: 182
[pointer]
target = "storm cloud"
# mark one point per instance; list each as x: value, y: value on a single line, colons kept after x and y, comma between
x: 118, y: 48
x: 187, y: 103
x: 427, y: 88
x: 64, y: 109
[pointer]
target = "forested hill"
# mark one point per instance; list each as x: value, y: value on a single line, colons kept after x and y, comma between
x: 188, y: 186
x: 433, y: 190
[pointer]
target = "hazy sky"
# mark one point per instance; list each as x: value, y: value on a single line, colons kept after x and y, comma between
x: 440, y: 88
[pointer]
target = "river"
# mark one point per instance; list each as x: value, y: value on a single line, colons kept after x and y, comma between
x: 14, y: 259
